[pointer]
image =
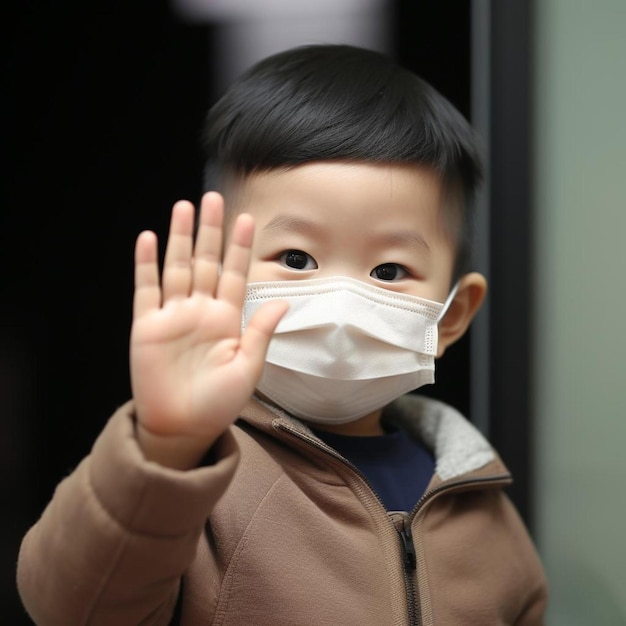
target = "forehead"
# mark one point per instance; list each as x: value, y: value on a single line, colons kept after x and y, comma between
x: 341, y: 192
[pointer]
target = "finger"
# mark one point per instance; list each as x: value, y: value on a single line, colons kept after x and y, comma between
x: 177, y: 265
x: 147, y: 296
x: 234, y: 276
x: 259, y: 331
x: 208, y: 248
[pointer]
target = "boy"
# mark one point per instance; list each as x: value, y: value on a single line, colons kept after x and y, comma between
x: 270, y: 468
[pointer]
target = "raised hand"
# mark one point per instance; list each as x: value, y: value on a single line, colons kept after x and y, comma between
x: 192, y: 370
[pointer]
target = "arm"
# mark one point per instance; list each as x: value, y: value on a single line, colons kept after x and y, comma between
x: 118, y: 534
x: 120, y: 531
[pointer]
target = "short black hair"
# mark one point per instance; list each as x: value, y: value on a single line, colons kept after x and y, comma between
x: 339, y: 102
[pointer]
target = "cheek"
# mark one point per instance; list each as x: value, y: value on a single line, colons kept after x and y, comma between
x: 263, y: 271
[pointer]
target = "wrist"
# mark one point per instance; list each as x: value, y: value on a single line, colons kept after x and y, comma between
x: 179, y: 452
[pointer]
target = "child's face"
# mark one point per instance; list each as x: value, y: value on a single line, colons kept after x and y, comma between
x: 377, y: 223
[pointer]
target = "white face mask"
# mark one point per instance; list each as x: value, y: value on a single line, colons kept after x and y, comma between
x: 345, y: 348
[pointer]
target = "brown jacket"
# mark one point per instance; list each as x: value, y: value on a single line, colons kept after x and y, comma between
x: 278, y: 529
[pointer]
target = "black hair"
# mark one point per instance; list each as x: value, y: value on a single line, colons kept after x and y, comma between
x: 339, y: 102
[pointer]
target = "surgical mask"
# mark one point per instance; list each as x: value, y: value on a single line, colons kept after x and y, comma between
x: 345, y: 348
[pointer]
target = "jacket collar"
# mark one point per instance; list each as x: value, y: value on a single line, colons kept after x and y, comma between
x: 459, y: 448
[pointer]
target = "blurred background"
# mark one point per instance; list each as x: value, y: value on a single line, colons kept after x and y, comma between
x: 102, y: 108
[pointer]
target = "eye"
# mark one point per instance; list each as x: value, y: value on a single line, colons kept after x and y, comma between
x: 389, y: 271
x: 298, y: 260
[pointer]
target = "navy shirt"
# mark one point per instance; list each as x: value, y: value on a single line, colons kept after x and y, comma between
x: 396, y: 466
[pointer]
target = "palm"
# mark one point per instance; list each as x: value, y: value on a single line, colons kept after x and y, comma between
x: 192, y: 370
x: 186, y: 353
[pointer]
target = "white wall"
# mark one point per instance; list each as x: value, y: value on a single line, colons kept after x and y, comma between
x: 580, y: 272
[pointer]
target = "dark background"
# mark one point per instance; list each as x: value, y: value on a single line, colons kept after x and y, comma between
x: 101, y: 109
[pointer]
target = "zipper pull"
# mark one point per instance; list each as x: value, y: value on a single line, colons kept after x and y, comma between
x: 408, y: 549
x: 402, y: 524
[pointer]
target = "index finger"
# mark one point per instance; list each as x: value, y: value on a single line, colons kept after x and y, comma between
x: 234, y: 277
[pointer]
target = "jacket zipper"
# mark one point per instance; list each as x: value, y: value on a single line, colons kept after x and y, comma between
x: 408, y: 551
x: 409, y: 559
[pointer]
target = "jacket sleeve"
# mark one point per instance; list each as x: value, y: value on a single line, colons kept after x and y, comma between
x: 536, y: 603
x: 532, y: 573
x: 119, y: 532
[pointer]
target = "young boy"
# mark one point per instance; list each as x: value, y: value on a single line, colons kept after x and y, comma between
x: 271, y: 468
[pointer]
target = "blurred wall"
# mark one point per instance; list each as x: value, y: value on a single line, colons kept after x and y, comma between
x: 248, y: 30
x: 580, y: 262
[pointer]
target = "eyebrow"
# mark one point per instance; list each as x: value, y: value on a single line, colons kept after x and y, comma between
x: 403, y: 237
x: 292, y: 223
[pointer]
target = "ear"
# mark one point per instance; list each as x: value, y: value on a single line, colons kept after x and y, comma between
x: 469, y: 296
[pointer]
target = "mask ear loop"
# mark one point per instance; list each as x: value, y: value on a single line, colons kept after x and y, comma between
x: 448, y: 302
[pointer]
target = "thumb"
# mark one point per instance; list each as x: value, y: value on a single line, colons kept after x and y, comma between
x: 259, y: 331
